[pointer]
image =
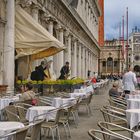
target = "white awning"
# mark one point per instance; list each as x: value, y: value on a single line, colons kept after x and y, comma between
x: 32, y: 39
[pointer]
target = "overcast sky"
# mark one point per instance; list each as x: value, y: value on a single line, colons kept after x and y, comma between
x: 114, y: 10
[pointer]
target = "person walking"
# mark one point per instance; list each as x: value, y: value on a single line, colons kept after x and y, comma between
x: 129, y: 81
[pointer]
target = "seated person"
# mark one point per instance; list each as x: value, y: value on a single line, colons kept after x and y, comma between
x: 28, y: 94
x: 113, y: 92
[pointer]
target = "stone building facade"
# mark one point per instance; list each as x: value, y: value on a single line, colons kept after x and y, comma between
x: 111, y: 60
x: 73, y: 22
x: 134, y: 50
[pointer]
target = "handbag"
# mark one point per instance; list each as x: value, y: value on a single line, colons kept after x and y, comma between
x: 34, y: 102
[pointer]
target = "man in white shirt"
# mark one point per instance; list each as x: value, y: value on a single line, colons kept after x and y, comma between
x: 129, y: 81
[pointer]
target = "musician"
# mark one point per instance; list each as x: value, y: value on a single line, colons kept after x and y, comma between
x: 64, y: 71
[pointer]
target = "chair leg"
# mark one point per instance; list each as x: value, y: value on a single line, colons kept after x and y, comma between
x: 69, y: 132
x: 74, y: 118
x: 65, y: 129
x: 52, y: 133
x: 58, y: 133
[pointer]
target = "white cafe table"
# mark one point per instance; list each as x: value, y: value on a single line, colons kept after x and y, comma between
x: 136, y: 135
x: 78, y: 94
x: 58, y: 101
x: 132, y: 96
x: 133, y: 103
x: 38, y: 110
x: 133, y: 117
x: 4, y: 101
x: 7, y: 127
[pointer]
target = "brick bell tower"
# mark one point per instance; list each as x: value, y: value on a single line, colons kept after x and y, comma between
x: 101, y: 24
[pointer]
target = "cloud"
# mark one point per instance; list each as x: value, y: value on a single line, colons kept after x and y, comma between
x: 114, y: 10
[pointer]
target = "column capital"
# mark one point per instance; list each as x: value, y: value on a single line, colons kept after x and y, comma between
x: 67, y: 33
x: 60, y: 28
x: 74, y: 39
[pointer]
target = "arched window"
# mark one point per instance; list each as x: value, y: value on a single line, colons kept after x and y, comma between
x: 109, y: 62
x: 137, y: 68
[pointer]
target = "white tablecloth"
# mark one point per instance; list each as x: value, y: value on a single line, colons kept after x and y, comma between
x: 6, y: 100
x: 133, y: 103
x: 38, y: 110
x: 133, y: 117
x: 132, y: 96
x: 78, y: 94
x: 7, y: 127
x: 57, y: 102
x: 136, y: 136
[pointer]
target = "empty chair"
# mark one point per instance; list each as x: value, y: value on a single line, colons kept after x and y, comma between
x: 119, y: 100
x: 114, y: 118
x: 16, y: 113
x: 86, y: 102
x: 116, y: 110
x: 35, y: 130
x: 94, y: 135
x: 117, y: 104
x: 116, y: 129
x: 11, y: 113
x: 52, y: 125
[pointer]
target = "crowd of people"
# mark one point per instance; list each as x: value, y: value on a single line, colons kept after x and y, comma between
x: 129, y: 84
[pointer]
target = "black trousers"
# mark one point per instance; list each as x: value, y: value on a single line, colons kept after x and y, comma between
x: 40, y: 89
x: 127, y: 91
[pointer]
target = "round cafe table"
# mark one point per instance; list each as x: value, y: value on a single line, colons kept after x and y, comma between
x: 136, y: 135
x: 38, y: 110
x: 133, y: 117
x: 133, y: 103
x: 132, y: 96
x: 58, y: 101
x: 7, y: 127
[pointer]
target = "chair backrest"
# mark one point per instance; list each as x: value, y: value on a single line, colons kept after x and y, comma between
x: 109, y: 117
x: 45, y: 100
x: 107, y: 127
x: 119, y: 100
x: 115, y: 111
x: 22, y: 112
x: 21, y: 133
x: 11, y: 112
x: 117, y: 104
x: 93, y: 134
x: 36, y: 129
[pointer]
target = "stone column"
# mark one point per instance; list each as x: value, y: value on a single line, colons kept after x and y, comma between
x: 69, y: 49
x: 79, y: 61
x: 74, y: 74
x: 60, y: 54
x: 50, y: 29
x: 9, y: 48
x: 2, y: 27
x: 83, y: 62
x: 87, y: 64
